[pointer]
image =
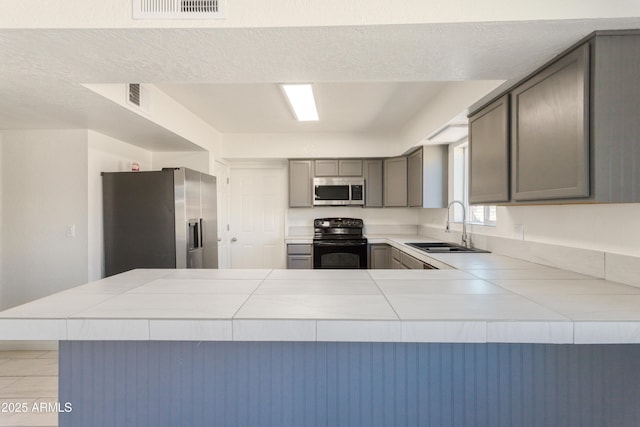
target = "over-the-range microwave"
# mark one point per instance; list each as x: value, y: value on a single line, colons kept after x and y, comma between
x: 338, y: 191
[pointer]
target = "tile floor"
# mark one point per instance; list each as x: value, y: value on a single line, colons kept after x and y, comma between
x: 28, y: 378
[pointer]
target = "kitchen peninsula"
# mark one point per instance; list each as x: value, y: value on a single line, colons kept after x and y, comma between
x: 497, y: 342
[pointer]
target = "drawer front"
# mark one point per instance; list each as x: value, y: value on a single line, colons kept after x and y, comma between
x: 299, y: 262
x: 295, y: 249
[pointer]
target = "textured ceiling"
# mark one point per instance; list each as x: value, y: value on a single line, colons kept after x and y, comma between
x: 234, y: 71
x: 381, y: 107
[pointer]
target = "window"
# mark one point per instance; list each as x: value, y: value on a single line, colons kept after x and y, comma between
x: 481, y: 215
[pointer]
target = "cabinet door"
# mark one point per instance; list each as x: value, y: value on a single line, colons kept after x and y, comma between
x: 395, y: 181
x: 410, y: 262
x: 414, y: 178
x: 299, y: 262
x: 300, y: 183
x: 326, y: 167
x: 379, y: 256
x: 373, y: 183
x: 550, y: 137
x: 349, y: 167
x: 489, y: 153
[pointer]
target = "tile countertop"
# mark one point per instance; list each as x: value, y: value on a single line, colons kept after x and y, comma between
x: 485, y: 298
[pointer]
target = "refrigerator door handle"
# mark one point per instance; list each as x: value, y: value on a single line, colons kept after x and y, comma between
x: 195, y: 234
x: 201, y: 233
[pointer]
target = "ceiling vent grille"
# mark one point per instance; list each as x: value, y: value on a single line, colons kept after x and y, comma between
x: 178, y: 9
x: 138, y: 96
x: 134, y: 93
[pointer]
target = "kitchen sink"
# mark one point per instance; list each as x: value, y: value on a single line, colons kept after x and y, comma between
x: 441, y: 247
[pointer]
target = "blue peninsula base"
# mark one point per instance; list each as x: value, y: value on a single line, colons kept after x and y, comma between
x: 233, y: 384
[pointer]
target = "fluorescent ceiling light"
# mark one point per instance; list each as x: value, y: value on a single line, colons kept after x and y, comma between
x: 300, y: 97
x: 449, y: 134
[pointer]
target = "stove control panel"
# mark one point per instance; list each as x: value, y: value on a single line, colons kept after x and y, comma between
x: 338, y: 223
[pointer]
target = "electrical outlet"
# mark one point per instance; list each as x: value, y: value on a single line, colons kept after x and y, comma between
x: 517, y: 231
x: 71, y: 230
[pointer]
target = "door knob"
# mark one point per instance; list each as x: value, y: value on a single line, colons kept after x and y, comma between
x: 219, y: 239
x: 233, y: 239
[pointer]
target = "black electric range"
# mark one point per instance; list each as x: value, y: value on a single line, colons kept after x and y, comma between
x: 339, y: 243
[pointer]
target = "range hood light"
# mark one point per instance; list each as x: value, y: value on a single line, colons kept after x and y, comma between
x: 301, y: 101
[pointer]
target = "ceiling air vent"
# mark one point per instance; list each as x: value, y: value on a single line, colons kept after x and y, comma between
x: 137, y: 95
x: 178, y: 9
x: 134, y: 93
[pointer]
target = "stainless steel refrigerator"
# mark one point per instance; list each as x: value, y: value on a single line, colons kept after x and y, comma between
x: 159, y: 219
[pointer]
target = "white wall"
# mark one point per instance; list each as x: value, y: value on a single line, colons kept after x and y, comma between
x: 613, y: 228
x: 308, y: 145
x: 607, y: 227
x: 453, y: 99
x: 376, y: 220
x: 44, y: 192
x: 196, y: 160
x: 168, y: 113
x: 105, y: 154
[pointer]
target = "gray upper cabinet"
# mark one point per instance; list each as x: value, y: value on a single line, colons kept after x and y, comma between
x: 338, y: 167
x: 300, y: 183
x: 392, y: 182
x: 373, y: 183
x: 573, y: 127
x: 489, y: 153
x: 615, y: 129
x: 326, y: 167
x: 550, y: 135
x: 395, y: 182
x: 414, y: 179
x: 348, y: 167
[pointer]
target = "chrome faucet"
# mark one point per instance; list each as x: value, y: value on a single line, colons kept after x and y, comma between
x: 465, y: 238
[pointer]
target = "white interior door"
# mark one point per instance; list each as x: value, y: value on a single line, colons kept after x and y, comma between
x: 257, y: 217
x: 222, y: 181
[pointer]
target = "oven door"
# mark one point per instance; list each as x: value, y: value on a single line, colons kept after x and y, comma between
x: 336, y: 254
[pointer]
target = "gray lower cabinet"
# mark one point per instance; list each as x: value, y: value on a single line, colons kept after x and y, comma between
x: 299, y: 256
x: 410, y: 262
x: 489, y: 153
x: 300, y: 183
x: 379, y: 256
x: 403, y: 261
x: 395, y: 259
x: 373, y: 183
x: 395, y: 182
x: 414, y: 179
x: 550, y: 136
